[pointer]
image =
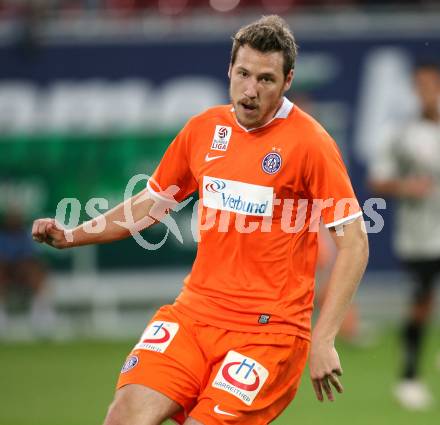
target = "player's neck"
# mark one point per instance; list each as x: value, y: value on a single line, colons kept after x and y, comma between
x: 280, y: 104
x: 267, y: 121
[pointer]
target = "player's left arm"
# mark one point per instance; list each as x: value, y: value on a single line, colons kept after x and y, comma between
x: 351, y: 260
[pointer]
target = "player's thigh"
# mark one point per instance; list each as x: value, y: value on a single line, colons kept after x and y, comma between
x: 253, y: 383
x: 139, y: 405
x: 191, y: 421
x: 167, y: 359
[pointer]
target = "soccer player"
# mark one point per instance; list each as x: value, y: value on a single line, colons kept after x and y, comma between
x: 232, y: 348
x: 407, y: 167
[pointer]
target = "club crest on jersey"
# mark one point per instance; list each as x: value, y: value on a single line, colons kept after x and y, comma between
x: 158, y: 336
x: 222, y: 135
x: 130, y: 363
x: 271, y: 163
x: 240, y: 376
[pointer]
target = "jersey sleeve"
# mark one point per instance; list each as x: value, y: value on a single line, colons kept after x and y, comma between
x: 329, y: 184
x: 173, y: 180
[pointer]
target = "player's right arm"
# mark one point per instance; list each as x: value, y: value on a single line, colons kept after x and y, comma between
x: 136, y: 213
x: 114, y: 223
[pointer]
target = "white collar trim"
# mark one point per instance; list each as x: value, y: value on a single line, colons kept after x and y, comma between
x: 283, y: 112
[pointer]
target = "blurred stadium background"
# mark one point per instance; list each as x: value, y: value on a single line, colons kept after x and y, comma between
x: 92, y: 92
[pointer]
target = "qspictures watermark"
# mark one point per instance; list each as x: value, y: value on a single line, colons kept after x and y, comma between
x: 245, y: 212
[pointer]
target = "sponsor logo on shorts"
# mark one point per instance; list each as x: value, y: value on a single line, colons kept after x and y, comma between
x: 240, y: 376
x: 238, y: 197
x: 222, y: 412
x: 158, y: 336
x: 271, y: 163
x: 130, y: 363
x: 222, y: 135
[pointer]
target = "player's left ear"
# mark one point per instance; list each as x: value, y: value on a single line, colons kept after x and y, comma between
x: 229, y: 70
x: 289, y: 79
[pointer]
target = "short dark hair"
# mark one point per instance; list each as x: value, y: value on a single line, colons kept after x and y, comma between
x: 268, y: 34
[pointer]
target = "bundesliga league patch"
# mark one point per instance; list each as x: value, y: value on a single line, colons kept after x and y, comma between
x: 240, y: 376
x: 158, y: 336
x: 130, y: 363
x: 222, y: 134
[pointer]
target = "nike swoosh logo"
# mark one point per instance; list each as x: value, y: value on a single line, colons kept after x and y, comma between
x: 222, y: 412
x: 211, y: 158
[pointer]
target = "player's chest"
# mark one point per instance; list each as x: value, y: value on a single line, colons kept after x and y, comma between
x: 244, y: 172
x: 263, y: 158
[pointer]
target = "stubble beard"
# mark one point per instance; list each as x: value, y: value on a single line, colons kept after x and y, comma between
x: 257, y: 122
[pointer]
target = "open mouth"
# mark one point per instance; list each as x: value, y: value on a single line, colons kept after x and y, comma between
x: 248, y: 107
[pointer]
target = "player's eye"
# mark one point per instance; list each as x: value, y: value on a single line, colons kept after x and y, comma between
x: 266, y: 79
x: 242, y: 73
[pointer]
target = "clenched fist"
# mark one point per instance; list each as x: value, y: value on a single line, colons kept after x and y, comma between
x: 49, y: 231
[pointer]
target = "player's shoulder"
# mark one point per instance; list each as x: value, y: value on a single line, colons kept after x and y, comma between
x: 215, y: 113
x: 311, y: 133
x: 307, y: 123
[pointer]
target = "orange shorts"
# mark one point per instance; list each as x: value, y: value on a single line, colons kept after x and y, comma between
x: 217, y: 376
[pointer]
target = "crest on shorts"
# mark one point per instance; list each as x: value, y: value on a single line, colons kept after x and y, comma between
x: 130, y: 363
x: 264, y: 319
x: 158, y: 336
x: 271, y: 163
x: 240, y: 376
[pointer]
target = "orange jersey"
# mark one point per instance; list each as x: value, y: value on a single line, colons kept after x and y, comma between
x: 262, y: 194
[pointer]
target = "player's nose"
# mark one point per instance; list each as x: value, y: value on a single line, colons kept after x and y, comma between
x: 251, y: 89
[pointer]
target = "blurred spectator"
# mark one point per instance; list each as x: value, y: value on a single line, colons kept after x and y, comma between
x: 407, y: 167
x: 22, y: 276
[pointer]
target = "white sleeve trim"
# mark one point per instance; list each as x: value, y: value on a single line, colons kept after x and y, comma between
x: 345, y: 220
x: 158, y: 197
